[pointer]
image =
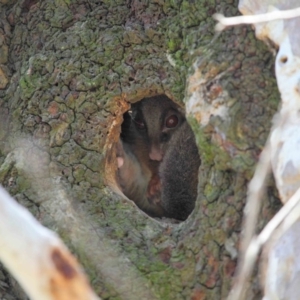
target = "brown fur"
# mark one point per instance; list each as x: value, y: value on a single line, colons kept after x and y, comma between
x: 160, y: 163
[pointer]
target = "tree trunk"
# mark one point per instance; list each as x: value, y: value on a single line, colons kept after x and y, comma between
x: 68, y: 71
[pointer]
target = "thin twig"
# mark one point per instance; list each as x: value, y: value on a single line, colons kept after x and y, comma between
x: 256, y: 244
x: 278, y: 218
x: 251, y: 244
x: 254, y: 19
x: 255, y: 191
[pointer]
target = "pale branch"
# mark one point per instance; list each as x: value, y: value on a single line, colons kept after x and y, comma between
x: 251, y: 244
x: 37, y: 258
x: 257, y: 243
x: 283, y: 213
x: 255, y: 19
x: 251, y: 212
x: 255, y: 192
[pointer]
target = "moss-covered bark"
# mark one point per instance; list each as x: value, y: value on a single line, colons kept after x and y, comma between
x: 68, y: 70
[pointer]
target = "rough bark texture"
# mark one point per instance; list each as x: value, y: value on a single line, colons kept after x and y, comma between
x: 68, y: 70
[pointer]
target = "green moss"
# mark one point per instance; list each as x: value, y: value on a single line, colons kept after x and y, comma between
x: 23, y: 183
x: 173, y: 45
x: 211, y: 192
x: 206, y: 149
x: 29, y: 84
x: 6, y: 167
x: 84, y: 57
x: 158, y: 279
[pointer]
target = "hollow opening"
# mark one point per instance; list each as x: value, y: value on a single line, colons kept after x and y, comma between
x: 158, y: 158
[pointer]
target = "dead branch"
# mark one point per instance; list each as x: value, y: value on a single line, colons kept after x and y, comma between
x: 248, y: 251
x: 37, y: 258
x: 255, y: 19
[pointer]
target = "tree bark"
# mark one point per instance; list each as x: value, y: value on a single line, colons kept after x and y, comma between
x: 68, y: 71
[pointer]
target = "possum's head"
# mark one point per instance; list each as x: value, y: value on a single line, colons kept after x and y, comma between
x: 156, y: 119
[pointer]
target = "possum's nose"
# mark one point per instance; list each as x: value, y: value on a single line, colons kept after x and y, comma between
x: 155, y: 154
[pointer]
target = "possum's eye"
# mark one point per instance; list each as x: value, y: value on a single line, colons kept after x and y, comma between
x: 172, y: 121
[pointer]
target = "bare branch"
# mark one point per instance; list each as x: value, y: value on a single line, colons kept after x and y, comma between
x: 238, y: 292
x: 283, y: 213
x: 248, y: 254
x: 255, y: 19
x: 37, y: 258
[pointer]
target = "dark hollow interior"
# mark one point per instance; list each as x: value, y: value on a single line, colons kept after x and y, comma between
x: 158, y: 159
